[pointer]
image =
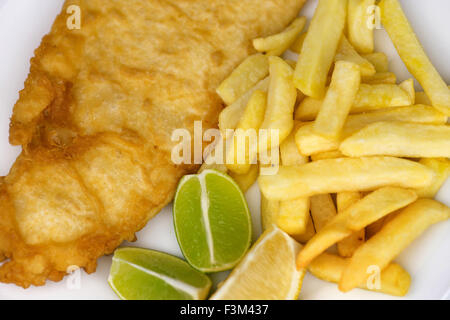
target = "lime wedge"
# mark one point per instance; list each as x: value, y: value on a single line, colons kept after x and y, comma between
x: 212, y: 221
x: 139, y: 274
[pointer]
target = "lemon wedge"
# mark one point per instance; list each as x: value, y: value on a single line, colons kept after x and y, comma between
x: 268, y: 271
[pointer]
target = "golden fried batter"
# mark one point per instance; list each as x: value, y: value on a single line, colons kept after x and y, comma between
x: 96, y: 116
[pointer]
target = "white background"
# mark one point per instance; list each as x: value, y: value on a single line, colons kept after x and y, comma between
x: 24, y: 22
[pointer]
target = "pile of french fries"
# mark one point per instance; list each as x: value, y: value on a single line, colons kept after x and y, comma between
x: 362, y: 157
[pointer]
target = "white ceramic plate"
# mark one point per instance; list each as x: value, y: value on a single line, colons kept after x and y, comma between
x: 23, y: 23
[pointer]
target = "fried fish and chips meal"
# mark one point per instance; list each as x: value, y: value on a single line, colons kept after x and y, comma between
x: 356, y: 157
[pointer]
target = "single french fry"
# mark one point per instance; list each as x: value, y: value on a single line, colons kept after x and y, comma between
x: 245, y: 181
x: 298, y: 43
x: 413, y: 55
x: 380, y: 78
x: 322, y: 210
x: 345, y: 174
x: 378, y: 96
x: 280, y: 104
x: 441, y: 167
x: 359, y: 33
x: 348, y: 246
x: 320, y: 46
x: 338, y: 100
x: 379, y: 60
x: 243, y: 149
x: 293, y: 216
x: 327, y: 155
x: 399, y: 139
x: 370, y: 97
x: 389, y: 199
x: 230, y: 116
x: 269, y: 212
x: 392, y: 239
x: 309, y: 232
x: 394, y: 280
x: 277, y: 44
x: 366, y: 211
x: 243, y: 78
x: 310, y: 143
x: 346, y: 52
x: 416, y: 114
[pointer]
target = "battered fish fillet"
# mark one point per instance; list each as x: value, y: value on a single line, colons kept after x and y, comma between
x: 96, y: 116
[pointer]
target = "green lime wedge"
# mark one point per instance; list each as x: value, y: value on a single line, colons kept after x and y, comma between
x: 212, y: 221
x: 139, y: 274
